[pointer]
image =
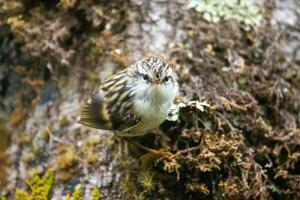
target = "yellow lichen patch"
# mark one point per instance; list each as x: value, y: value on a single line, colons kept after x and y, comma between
x: 65, y: 162
x: 40, y: 187
x: 67, y: 159
x: 89, y: 149
x: 95, y: 194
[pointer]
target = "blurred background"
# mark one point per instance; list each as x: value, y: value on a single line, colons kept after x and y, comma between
x: 235, y: 134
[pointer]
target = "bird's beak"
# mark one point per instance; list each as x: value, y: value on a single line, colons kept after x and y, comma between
x: 155, y: 82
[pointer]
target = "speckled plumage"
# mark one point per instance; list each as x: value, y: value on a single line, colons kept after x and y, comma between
x: 133, y: 101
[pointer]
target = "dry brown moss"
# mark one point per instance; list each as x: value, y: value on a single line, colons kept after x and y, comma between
x: 245, y: 146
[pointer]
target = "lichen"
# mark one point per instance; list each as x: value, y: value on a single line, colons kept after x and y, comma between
x: 242, y: 11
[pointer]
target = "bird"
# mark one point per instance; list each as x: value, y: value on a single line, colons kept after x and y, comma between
x: 133, y: 101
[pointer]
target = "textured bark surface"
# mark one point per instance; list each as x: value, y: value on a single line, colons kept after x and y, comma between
x: 42, y: 92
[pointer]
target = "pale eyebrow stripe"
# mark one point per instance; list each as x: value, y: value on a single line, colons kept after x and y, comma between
x: 139, y: 73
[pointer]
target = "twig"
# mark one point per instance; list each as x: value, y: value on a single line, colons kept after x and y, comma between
x: 137, y: 144
x: 55, y: 139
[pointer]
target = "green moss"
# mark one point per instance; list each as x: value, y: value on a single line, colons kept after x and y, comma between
x: 40, y: 187
x: 95, y: 194
x: 68, y: 197
x: 76, y: 195
x: 22, y: 195
x: 146, y: 181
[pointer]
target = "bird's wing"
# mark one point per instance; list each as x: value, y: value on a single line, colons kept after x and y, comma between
x: 110, y: 107
x: 95, y: 114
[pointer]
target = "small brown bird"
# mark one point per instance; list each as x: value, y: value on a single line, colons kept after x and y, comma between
x: 134, y: 100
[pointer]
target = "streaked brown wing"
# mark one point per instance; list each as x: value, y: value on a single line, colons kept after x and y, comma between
x: 94, y: 112
x: 111, y: 106
x: 123, y: 119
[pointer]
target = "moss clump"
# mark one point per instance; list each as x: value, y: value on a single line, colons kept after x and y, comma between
x: 146, y: 181
x: 95, y: 194
x: 40, y: 187
x: 75, y: 196
x: 22, y: 195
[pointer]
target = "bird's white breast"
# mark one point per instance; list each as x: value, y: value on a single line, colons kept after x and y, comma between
x: 151, y: 115
x: 153, y: 107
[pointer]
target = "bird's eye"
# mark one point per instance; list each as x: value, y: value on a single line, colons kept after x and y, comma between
x: 166, y: 79
x: 145, y: 77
